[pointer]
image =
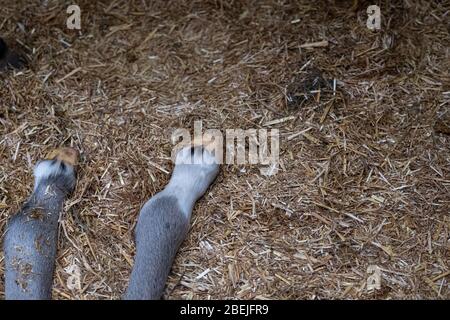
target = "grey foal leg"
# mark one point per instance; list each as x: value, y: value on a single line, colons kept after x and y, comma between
x: 31, y: 234
x: 164, y: 222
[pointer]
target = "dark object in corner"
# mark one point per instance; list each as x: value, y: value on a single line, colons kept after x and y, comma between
x: 9, y: 58
x: 305, y: 87
x: 3, y: 49
x: 442, y: 124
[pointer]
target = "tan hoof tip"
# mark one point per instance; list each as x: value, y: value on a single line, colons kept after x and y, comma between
x: 66, y: 155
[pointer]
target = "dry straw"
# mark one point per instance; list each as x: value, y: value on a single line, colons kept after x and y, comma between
x: 365, y: 163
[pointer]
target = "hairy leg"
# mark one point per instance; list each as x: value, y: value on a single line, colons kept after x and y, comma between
x: 31, y: 235
x: 164, y: 222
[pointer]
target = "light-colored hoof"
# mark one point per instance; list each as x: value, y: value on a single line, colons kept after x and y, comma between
x: 66, y: 155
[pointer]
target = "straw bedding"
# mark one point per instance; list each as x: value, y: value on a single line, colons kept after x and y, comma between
x: 364, y: 174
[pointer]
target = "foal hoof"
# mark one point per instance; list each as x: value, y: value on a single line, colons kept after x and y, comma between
x: 67, y: 155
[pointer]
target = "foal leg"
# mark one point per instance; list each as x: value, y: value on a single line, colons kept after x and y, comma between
x: 164, y: 222
x: 31, y: 234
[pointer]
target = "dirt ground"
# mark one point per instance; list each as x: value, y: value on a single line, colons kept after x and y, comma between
x: 364, y: 178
